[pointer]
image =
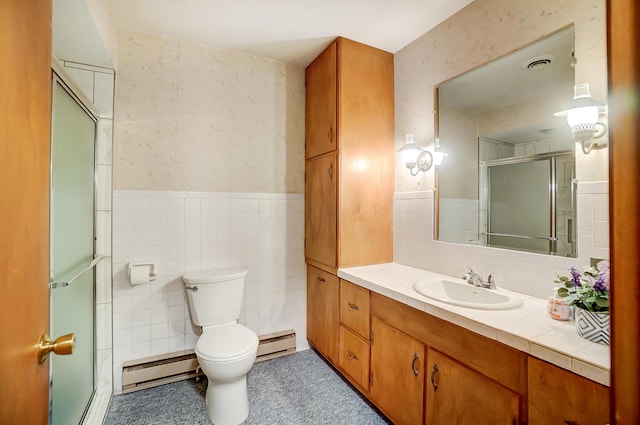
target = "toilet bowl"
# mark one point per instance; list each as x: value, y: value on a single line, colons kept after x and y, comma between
x: 226, y: 350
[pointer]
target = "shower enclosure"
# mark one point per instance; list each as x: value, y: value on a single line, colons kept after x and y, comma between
x: 73, y: 133
x: 529, y: 203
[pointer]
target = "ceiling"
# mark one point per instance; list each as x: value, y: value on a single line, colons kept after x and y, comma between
x: 293, y: 31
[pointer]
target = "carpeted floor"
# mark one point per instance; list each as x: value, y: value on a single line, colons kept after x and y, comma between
x: 296, y: 389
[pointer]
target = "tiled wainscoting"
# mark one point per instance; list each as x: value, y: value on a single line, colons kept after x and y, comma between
x: 191, y: 231
x: 528, y: 273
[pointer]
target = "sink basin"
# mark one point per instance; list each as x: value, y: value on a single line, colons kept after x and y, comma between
x: 458, y: 292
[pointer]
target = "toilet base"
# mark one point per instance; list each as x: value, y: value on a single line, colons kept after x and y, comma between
x: 228, y: 401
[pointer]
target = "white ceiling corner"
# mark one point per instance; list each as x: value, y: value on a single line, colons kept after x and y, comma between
x: 290, y: 31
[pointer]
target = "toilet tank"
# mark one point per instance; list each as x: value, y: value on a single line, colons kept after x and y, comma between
x: 218, y: 297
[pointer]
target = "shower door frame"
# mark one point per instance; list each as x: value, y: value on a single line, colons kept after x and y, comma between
x: 58, y: 76
x: 553, y: 192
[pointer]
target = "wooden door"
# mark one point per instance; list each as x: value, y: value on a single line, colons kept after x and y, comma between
x: 397, y: 365
x: 25, y: 114
x: 321, y: 135
x: 365, y: 121
x: 323, y: 319
x: 557, y: 396
x: 623, y: 50
x: 459, y: 395
x: 321, y: 200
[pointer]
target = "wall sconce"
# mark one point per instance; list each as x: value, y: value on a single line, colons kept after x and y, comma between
x: 582, y: 117
x: 414, y: 157
x: 438, y: 155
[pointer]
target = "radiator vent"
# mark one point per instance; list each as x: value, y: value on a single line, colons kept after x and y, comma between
x: 157, y: 370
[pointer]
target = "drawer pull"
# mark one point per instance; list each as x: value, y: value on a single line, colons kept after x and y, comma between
x: 434, y: 372
x: 330, y: 171
x: 352, y: 355
x: 321, y: 279
x: 413, y: 364
x: 353, y: 306
x: 570, y: 422
x: 330, y: 135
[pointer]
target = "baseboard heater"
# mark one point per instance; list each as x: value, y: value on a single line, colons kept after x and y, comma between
x: 166, y: 368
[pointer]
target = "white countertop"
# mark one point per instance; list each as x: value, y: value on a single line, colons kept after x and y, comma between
x: 527, y: 328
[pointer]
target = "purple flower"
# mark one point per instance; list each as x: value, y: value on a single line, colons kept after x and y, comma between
x: 575, y: 276
x: 602, y: 283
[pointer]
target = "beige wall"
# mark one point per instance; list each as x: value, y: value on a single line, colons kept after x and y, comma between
x: 195, y: 118
x: 479, y: 33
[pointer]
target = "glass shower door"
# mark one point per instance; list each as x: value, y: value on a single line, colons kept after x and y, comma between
x: 72, y: 251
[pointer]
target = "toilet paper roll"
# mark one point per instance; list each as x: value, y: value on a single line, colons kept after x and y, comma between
x: 140, y: 274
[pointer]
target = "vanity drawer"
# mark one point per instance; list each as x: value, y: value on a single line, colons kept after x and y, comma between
x: 354, y: 357
x: 354, y: 308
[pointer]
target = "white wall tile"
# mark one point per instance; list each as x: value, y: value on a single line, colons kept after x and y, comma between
x: 155, y: 317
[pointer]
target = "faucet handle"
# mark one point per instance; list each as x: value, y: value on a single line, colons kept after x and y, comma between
x: 467, y: 274
x: 491, y: 279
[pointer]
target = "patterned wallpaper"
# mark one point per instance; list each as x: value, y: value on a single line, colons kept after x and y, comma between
x: 195, y: 118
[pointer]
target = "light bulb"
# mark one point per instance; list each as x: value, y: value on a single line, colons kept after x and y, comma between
x: 583, y: 115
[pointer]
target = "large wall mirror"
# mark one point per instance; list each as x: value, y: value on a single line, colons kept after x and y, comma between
x: 509, y: 178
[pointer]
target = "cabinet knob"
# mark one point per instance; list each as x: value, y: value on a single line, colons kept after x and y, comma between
x: 330, y: 171
x: 321, y: 279
x: 352, y: 355
x: 330, y: 135
x: 353, y: 306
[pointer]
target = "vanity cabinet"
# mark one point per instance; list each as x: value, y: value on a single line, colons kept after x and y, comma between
x: 478, y: 380
x: 349, y: 151
x: 397, y: 374
x: 355, y: 331
x: 557, y: 396
x: 457, y: 394
x: 323, y: 317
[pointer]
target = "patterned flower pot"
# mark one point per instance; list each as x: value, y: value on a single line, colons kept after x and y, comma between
x: 592, y: 326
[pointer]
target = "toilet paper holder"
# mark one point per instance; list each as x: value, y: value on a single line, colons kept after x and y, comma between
x: 153, y: 269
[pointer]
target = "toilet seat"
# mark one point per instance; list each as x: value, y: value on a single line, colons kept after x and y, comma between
x: 225, y: 343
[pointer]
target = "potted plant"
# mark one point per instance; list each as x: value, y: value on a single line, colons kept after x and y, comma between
x: 589, y: 293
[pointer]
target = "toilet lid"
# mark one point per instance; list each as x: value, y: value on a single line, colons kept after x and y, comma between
x: 214, y: 275
x: 226, y: 342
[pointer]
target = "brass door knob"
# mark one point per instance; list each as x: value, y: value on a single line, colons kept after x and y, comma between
x: 63, y: 345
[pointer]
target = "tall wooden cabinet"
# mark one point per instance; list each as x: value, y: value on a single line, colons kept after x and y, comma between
x: 349, y: 152
x: 349, y: 157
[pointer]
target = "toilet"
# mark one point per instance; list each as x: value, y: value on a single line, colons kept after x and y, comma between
x: 226, y: 350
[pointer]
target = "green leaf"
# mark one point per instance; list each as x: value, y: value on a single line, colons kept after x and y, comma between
x: 602, y: 302
x: 563, y: 292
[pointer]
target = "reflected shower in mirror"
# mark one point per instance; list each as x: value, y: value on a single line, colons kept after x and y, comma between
x: 509, y: 179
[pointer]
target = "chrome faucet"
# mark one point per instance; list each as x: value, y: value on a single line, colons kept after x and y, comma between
x: 475, y: 279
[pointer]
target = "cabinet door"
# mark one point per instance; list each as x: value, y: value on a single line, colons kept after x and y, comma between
x: 321, y: 209
x: 323, y: 312
x: 320, y: 125
x: 354, y: 308
x: 557, y: 396
x: 397, y: 365
x: 459, y: 395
